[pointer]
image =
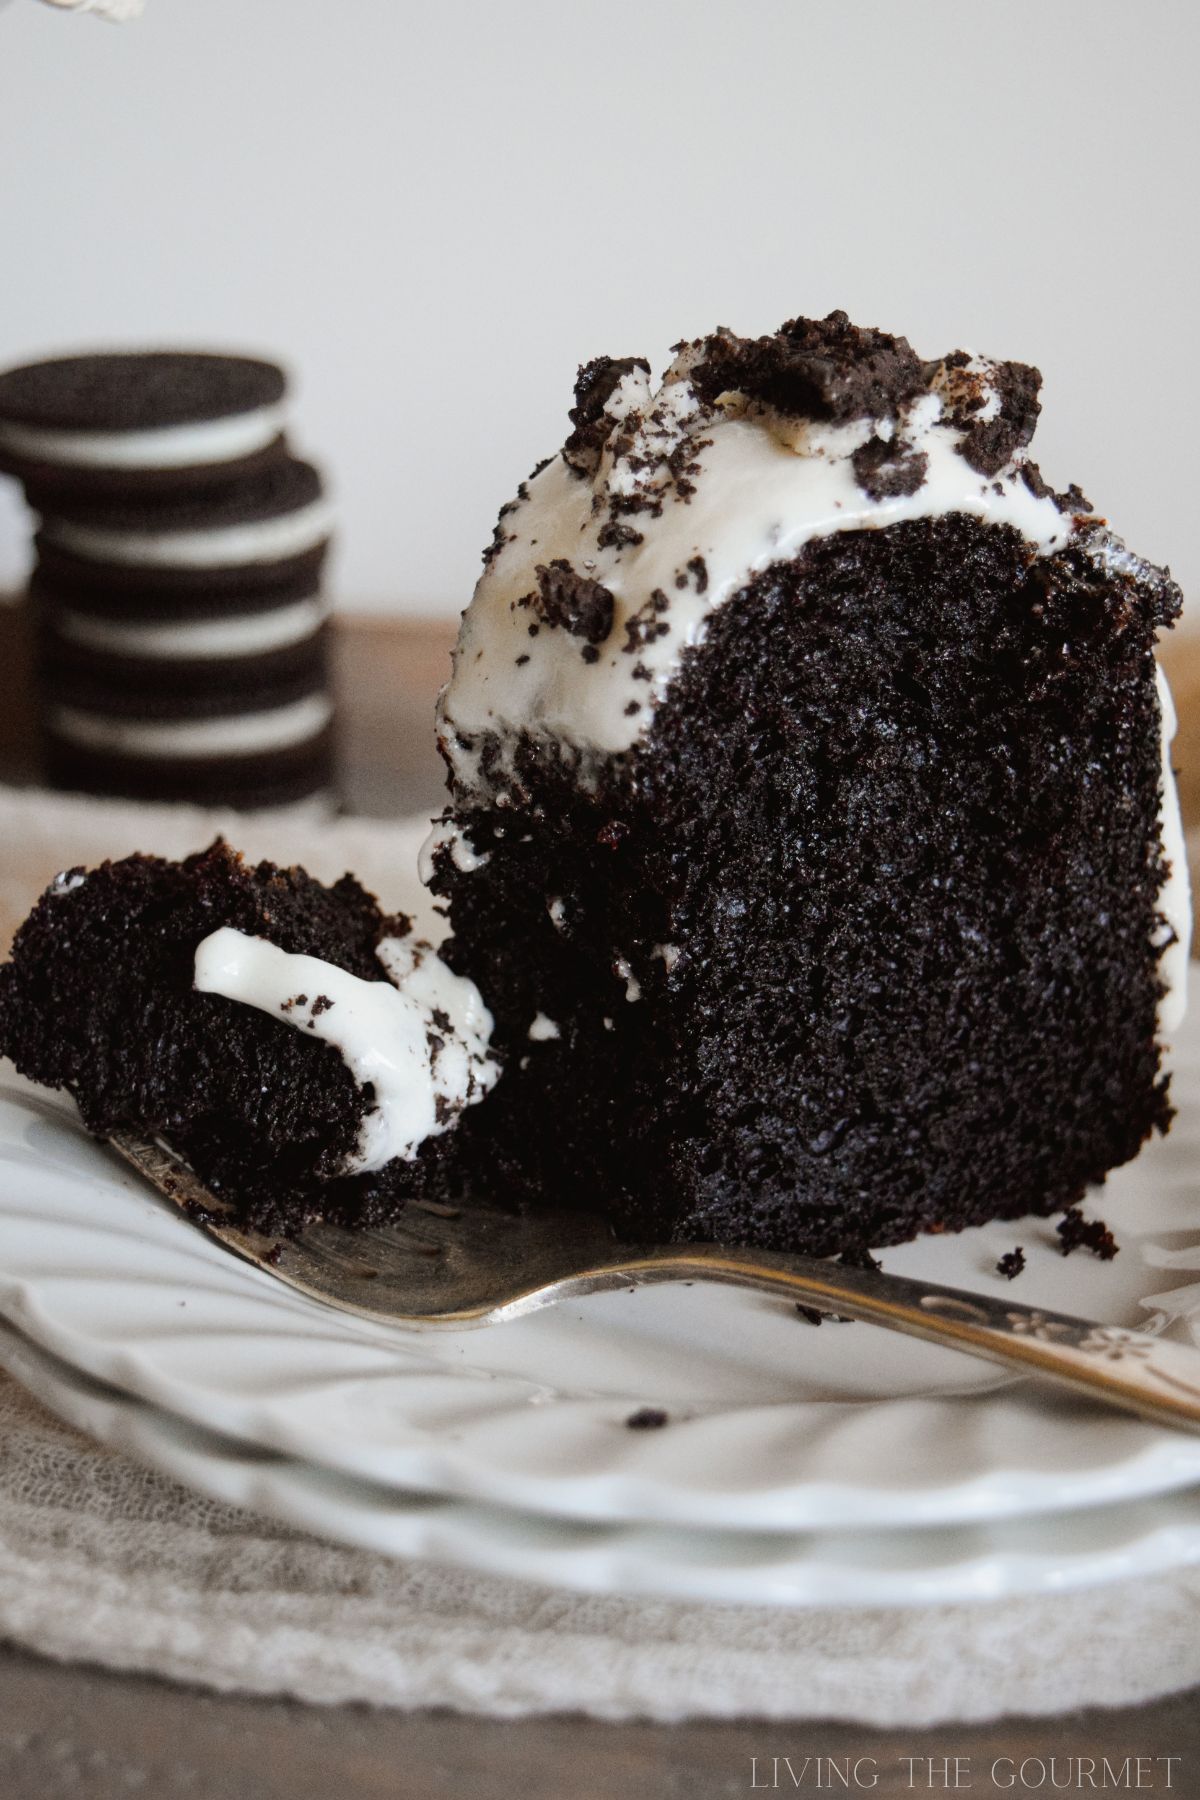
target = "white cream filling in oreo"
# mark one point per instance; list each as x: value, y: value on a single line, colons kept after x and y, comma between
x: 762, y: 487
x: 194, y: 445
x: 419, y: 1039
x: 233, y: 734
x: 223, y: 547
x: 195, y: 640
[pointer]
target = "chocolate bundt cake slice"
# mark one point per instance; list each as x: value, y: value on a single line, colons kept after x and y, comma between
x: 811, y: 832
x: 303, y: 1052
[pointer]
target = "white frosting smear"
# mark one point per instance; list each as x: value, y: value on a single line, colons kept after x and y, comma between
x: 762, y: 487
x: 224, y: 547
x: 1174, y: 899
x: 195, y: 640
x: 418, y: 1039
x: 197, y: 445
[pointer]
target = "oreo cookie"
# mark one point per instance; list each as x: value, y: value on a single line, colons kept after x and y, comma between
x: 92, y: 653
x: 183, y: 639
x: 140, y: 422
x: 213, y: 747
x: 266, y: 532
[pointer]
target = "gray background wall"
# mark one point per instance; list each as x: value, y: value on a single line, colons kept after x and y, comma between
x: 435, y: 211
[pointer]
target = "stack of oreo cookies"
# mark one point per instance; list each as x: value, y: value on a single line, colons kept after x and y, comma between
x: 177, y: 584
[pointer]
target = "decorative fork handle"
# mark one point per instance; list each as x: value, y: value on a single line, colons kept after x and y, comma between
x: 1127, y: 1369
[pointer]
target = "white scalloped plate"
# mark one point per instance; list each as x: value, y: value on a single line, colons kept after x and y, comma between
x: 985, y: 1561
x: 774, y: 1425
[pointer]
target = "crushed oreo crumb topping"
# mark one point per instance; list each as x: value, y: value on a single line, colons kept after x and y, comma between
x: 574, y: 602
x: 594, y: 386
x: 885, y: 471
x: 825, y: 369
x: 1011, y: 1263
x: 988, y: 444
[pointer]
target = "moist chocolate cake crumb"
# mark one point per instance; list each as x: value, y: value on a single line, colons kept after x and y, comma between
x: 574, y: 602
x: 1011, y: 1263
x: 647, y: 1418
x: 1078, y: 1232
x: 887, y: 754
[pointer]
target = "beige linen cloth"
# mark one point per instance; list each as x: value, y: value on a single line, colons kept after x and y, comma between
x: 104, y: 1561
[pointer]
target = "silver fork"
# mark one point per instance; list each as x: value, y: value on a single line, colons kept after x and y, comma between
x: 462, y: 1266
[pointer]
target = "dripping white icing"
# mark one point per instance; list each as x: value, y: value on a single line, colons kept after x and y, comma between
x: 419, y: 1038
x: 1174, y: 899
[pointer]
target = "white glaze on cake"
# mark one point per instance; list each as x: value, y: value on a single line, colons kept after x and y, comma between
x: 1174, y: 900
x: 195, y: 445
x: 233, y: 734
x: 195, y: 640
x: 419, y: 1038
x: 222, y: 547
x: 764, y: 486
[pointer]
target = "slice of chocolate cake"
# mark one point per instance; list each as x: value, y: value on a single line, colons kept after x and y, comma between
x: 303, y: 1052
x: 812, y: 835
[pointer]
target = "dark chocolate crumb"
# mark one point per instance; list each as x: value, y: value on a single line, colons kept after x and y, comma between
x: 886, y: 470
x: 594, y: 386
x: 522, y: 659
x: 987, y: 446
x: 1011, y: 1263
x: 814, y: 369
x: 857, y: 1256
x: 572, y: 601
x: 647, y: 1418
x: 321, y: 1004
x: 615, y: 536
x: 698, y: 570
x: 1076, y: 1233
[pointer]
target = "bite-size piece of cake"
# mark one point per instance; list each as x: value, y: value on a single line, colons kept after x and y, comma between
x: 812, y: 834
x: 301, y: 1050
